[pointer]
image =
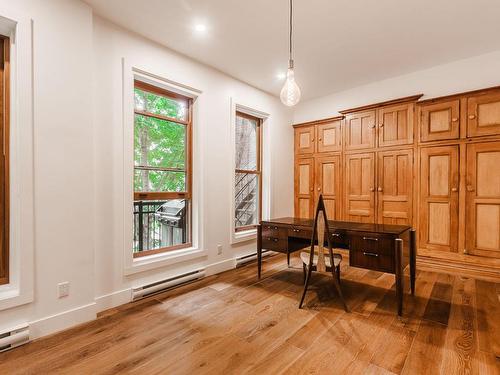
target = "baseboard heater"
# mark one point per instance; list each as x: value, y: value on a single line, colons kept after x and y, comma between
x: 14, y: 337
x: 250, y: 258
x: 160, y: 286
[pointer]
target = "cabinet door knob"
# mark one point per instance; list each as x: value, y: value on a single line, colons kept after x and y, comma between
x: 319, y: 189
x: 454, y: 119
x: 312, y: 189
x: 372, y: 189
x: 319, y: 139
x: 380, y: 189
x: 470, y: 188
x: 472, y: 117
x: 454, y: 189
x: 372, y: 126
x: 381, y: 125
x: 312, y: 140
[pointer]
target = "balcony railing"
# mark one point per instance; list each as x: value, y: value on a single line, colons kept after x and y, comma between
x: 246, y: 199
x: 154, y: 228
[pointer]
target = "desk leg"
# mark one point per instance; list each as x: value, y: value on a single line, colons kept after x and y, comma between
x: 259, y: 250
x: 399, y: 275
x: 413, y: 260
x: 288, y: 257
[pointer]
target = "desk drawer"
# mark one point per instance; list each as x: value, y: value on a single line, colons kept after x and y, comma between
x: 275, y: 231
x: 371, y: 261
x: 372, y: 243
x: 300, y: 233
x: 274, y: 243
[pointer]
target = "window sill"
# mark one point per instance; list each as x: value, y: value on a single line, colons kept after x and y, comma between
x: 243, y: 236
x: 149, y: 262
x: 11, y: 296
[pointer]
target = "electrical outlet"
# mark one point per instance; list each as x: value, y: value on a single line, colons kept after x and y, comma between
x: 219, y: 249
x: 63, y: 289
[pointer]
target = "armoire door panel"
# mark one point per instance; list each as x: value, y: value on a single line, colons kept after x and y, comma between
x: 483, y: 115
x: 359, y: 187
x: 304, y: 187
x: 359, y: 130
x: 394, y: 191
x: 438, y: 204
x: 395, y: 125
x: 305, y: 140
x: 329, y: 136
x: 328, y: 172
x: 439, y: 121
x: 483, y: 199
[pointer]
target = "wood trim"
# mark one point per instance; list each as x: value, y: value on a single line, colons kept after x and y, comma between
x: 406, y: 99
x: 258, y: 170
x: 319, y: 122
x: 153, y: 195
x: 246, y: 227
x: 160, y: 117
x: 459, y: 95
x: 159, y: 91
x: 5, y: 158
x: 162, y: 250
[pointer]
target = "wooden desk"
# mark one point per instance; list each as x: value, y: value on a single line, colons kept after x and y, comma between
x: 378, y: 247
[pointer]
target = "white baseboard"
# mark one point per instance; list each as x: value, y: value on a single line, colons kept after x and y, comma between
x: 219, y: 267
x: 62, y: 320
x: 108, y: 301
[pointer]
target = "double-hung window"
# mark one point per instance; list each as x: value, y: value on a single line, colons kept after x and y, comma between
x: 4, y: 160
x: 248, y: 176
x: 162, y: 170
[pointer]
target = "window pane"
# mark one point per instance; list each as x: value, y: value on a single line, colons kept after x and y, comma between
x: 160, y: 105
x: 246, y: 143
x: 159, y: 143
x: 247, y: 199
x: 159, y: 181
x: 159, y: 224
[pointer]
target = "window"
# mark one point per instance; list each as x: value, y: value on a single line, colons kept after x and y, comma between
x: 162, y: 170
x: 4, y: 159
x: 248, y: 177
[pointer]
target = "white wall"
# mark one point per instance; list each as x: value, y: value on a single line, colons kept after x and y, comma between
x: 63, y: 160
x: 77, y: 98
x: 111, y: 44
x: 459, y: 76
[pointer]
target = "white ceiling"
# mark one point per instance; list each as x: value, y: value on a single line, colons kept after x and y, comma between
x: 339, y: 44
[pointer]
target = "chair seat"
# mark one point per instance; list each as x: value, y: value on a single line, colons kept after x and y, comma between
x: 305, y: 256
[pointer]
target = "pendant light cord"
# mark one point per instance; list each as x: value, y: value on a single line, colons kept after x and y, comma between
x: 291, y: 30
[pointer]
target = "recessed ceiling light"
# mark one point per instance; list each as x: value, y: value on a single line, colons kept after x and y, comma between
x: 199, y: 27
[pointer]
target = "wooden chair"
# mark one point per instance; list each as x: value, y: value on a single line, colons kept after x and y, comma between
x: 318, y: 260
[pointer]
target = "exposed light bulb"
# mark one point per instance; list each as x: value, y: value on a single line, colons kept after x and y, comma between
x: 290, y: 93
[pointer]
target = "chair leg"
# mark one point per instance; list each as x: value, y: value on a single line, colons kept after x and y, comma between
x: 304, y: 272
x: 308, y: 277
x: 288, y: 258
x: 338, y: 273
x: 339, y: 291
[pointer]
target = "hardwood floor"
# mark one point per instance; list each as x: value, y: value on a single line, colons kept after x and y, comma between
x: 232, y: 324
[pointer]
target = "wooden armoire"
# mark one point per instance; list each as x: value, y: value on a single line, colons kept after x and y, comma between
x: 433, y: 164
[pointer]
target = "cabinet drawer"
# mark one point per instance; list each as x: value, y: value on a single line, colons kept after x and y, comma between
x: 274, y: 243
x: 372, y: 243
x: 371, y: 261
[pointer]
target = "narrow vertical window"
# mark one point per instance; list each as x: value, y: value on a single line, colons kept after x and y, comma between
x: 4, y: 161
x: 162, y: 170
x: 248, y: 177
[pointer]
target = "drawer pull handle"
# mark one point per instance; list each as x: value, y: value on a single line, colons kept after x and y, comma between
x: 275, y: 227
x: 370, y: 254
x: 336, y: 235
x: 370, y: 239
x: 296, y: 230
x: 272, y: 239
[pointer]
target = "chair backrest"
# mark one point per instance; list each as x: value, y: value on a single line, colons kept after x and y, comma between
x: 320, y: 228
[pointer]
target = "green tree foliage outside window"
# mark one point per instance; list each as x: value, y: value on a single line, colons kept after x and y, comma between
x: 159, y: 145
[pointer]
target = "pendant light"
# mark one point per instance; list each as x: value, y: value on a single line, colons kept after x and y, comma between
x: 290, y: 93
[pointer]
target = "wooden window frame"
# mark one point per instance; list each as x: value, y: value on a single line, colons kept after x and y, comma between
x: 257, y: 171
x: 4, y: 141
x: 187, y: 194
